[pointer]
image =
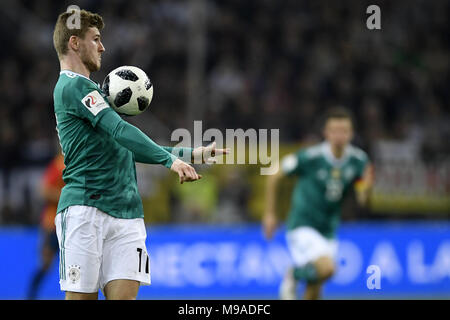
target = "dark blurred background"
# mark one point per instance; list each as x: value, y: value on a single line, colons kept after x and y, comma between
x: 253, y: 64
x: 245, y: 64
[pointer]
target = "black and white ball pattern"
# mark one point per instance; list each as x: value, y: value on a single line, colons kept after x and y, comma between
x: 128, y: 90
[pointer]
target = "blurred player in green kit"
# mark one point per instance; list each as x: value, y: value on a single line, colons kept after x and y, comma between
x: 325, y: 174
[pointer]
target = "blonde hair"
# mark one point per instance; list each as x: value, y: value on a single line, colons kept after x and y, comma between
x: 62, y: 32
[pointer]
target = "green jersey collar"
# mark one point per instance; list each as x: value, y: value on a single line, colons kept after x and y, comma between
x: 329, y: 156
x: 72, y: 74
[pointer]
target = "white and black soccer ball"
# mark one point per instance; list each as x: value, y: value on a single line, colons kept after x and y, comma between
x: 128, y: 90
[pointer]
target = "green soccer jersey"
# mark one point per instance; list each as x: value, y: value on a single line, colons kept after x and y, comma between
x: 322, y: 185
x: 99, y: 171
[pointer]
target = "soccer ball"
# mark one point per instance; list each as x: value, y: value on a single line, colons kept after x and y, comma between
x: 128, y: 90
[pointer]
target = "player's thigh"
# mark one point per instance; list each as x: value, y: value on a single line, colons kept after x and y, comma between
x: 121, y: 289
x: 325, y: 267
x: 125, y: 254
x: 81, y: 296
x: 307, y: 245
x: 80, y: 242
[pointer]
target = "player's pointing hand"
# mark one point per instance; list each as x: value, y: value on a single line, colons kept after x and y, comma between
x: 208, y: 154
x: 186, y: 172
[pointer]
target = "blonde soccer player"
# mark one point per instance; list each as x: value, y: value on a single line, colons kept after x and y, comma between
x: 99, y: 221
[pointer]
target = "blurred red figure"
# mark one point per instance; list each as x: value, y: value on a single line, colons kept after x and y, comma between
x: 51, y: 185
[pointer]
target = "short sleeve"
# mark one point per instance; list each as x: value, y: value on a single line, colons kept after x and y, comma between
x: 85, y: 101
x: 295, y: 163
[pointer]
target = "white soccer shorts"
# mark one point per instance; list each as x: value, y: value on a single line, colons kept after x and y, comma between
x: 96, y: 248
x: 306, y: 245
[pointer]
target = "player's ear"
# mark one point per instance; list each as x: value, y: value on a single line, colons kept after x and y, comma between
x: 74, y: 43
x: 325, y: 131
x: 352, y: 132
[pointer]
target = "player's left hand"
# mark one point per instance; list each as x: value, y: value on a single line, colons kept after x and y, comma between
x: 207, y: 154
x: 269, y: 225
x: 185, y: 172
x: 364, y: 185
x: 369, y: 175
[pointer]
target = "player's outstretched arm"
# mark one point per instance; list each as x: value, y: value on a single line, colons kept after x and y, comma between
x: 198, y: 155
x: 144, y: 149
x: 185, y: 154
x: 364, y: 185
x: 270, y: 220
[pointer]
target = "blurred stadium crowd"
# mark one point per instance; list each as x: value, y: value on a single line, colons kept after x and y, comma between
x: 267, y: 64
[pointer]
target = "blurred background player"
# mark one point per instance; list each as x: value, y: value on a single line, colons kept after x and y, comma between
x: 326, y: 172
x: 52, y: 183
